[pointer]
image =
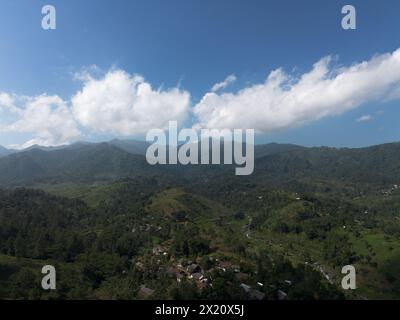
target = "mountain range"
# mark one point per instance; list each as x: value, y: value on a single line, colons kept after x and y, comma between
x: 96, y: 208
x: 274, y: 163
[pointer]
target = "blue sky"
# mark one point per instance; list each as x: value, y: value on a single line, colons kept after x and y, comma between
x: 187, y: 46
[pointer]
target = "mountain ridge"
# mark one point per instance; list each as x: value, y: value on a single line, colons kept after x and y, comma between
x: 273, y: 162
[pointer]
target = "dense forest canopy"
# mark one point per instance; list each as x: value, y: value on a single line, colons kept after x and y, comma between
x: 117, y: 228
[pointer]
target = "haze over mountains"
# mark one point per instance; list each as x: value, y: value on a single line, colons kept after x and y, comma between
x: 278, y: 163
x: 5, y: 152
x: 131, y: 146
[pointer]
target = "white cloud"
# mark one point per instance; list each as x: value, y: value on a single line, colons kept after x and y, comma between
x: 7, y: 103
x: 86, y: 73
x: 282, y: 101
x: 125, y: 104
x: 222, y: 85
x: 47, y: 118
x: 5, y: 100
x: 364, y: 118
x: 118, y: 103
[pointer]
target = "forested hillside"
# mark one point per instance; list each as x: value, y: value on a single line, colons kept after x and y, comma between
x: 115, y: 227
x: 376, y: 166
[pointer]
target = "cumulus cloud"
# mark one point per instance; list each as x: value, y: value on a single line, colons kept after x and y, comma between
x: 5, y: 100
x: 7, y: 103
x: 47, y: 118
x: 122, y: 104
x: 117, y: 103
x: 364, y: 118
x: 126, y: 104
x: 284, y: 101
x: 222, y: 85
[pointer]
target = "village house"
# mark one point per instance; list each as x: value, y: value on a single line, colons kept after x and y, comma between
x: 160, y: 250
x: 224, y: 265
x: 193, y: 268
x: 288, y: 282
x: 144, y: 292
x: 281, y: 295
x: 196, y: 276
x: 176, y: 273
x: 251, y: 293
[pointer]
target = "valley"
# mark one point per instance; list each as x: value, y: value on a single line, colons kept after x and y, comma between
x: 117, y: 228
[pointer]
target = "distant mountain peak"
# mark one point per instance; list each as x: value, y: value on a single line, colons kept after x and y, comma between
x: 5, y: 152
